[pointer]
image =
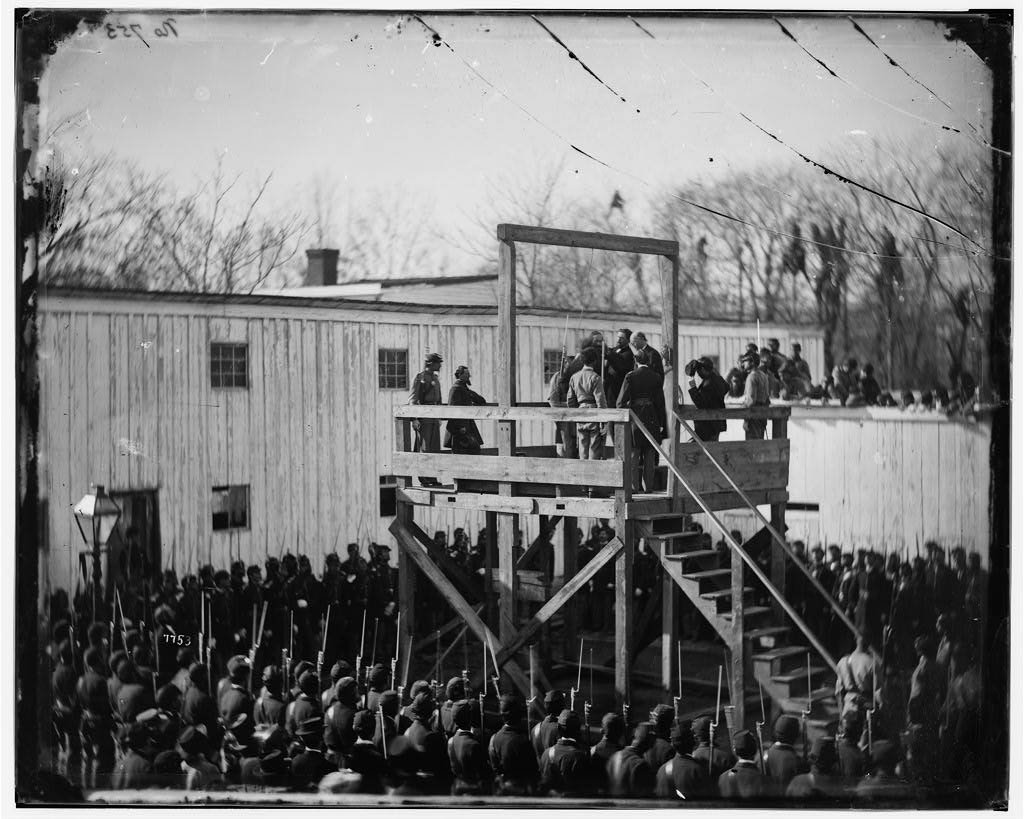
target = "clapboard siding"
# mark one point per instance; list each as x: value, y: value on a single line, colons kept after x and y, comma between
x: 127, y: 401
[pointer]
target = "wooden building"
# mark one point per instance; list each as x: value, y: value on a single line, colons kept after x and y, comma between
x: 242, y: 426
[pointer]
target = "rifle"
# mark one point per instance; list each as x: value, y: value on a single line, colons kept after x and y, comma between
x: 759, y: 727
x: 437, y: 665
x: 677, y: 700
x: 394, y: 656
x: 533, y: 697
x: 383, y: 731
x: 805, y: 715
x: 257, y: 640
x: 373, y: 649
x: 579, y: 680
x: 586, y: 721
x: 625, y: 718
x: 323, y: 648
x: 124, y: 630
x: 156, y: 659
x: 362, y: 646
x: 209, y: 665
x: 714, y: 723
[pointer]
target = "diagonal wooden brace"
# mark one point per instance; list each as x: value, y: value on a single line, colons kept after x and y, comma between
x: 452, y: 570
x: 417, y: 552
x: 561, y: 597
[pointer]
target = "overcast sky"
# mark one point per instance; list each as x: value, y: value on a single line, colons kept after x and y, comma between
x: 375, y: 105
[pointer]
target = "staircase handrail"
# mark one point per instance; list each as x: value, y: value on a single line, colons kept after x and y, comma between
x: 736, y: 548
x: 787, y: 550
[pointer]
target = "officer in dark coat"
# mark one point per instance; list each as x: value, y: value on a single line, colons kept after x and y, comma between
x: 565, y: 768
x: 661, y: 750
x: 340, y: 718
x: 309, y: 766
x: 743, y: 781
x: 197, y: 707
x: 363, y: 756
x: 618, y: 362
x: 642, y: 393
x: 339, y: 670
x: 454, y: 691
x: 720, y: 760
x: 682, y: 777
x: 423, y: 708
x: 511, y: 754
x: 657, y: 363
x: 426, y: 390
x: 305, y: 706
x: 236, y: 700
x: 97, y: 721
x: 466, y: 754
x: 132, y: 697
x: 461, y: 434
x: 612, y: 730
x: 781, y: 760
x: 545, y: 732
x: 707, y: 393
x: 134, y: 771
x: 269, y: 708
x: 629, y: 773
x: 394, y: 724
x: 376, y: 684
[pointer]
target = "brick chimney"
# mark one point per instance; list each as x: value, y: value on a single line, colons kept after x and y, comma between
x: 321, y: 267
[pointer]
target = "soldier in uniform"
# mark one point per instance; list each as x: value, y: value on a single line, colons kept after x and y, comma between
x: 720, y: 760
x: 781, y: 760
x: 236, y: 700
x: 363, y: 757
x: 303, y: 595
x: 821, y: 782
x: 97, y: 720
x: 426, y: 390
x: 394, y: 724
x: 339, y: 670
x: 682, y: 776
x: 613, y: 728
x: 565, y: 767
x: 306, y: 705
x: 423, y: 708
x: 511, y: 753
x: 66, y: 710
x: 352, y: 599
x: 661, y: 750
x: 269, y: 708
x: 629, y: 773
x: 454, y: 691
x: 743, y: 780
x: 197, y: 707
x: 309, y: 765
x: 545, y: 732
x: 466, y: 754
x: 339, y: 731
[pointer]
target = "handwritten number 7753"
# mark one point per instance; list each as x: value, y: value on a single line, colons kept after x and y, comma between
x: 167, y: 28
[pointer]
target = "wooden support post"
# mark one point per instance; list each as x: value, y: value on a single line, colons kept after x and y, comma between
x: 670, y: 336
x: 778, y: 519
x: 490, y: 551
x: 406, y: 593
x: 626, y: 530
x: 569, y: 566
x: 506, y: 395
x: 735, y: 671
x: 669, y: 629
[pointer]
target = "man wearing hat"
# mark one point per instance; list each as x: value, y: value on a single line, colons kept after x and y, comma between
x: 197, y: 707
x: 305, y: 706
x: 309, y: 766
x: 200, y: 773
x: 376, y: 684
x: 657, y: 362
x: 363, y: 757
x: 743, y: 780
x: 394, y: 724
x: 423, y: 709
x: 661, y: 750
x: 642, y: 394
x: 97, y: 720
x: 682, y: 777
x: 134, y: 770
x: 545, y: 732
x: 426, y: 390
x: 340, y: 718
x: 707, y: 390
x: 236, y: 699
x: 821, y: 782
x: 132, y: 697
x: 269, y: 708
x: 781, y: 760
x: 629, y: 773
x: 756, y: 392
x: 466, y: 754
x: 340, y: 669
x: 564, y: 767
x: 720, y: 760
x: 454, y: 691
x: 618, y: 363
x: 510, y: 751
x: 613, y: 727
x: 461, y: 434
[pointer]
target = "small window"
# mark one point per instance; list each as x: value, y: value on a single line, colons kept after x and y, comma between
x: 230, y: 507
x: 229, y: 365
x: 388, y: 496
x: 552, y: 364
x: 393, y: 369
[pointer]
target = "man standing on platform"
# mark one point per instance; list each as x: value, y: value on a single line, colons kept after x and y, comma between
x: 587, y: 391
x: 426, y: 390
x: 707, y: 391
x: 657, y: 362
x: 557, y: 392
x: 642, y: 393
x: 462, y: 434
x: 755, y: 394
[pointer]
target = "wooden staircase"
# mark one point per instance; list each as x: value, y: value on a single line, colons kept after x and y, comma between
x: 773, y: 654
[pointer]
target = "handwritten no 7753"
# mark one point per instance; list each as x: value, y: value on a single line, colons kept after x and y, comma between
x: 167, y: 28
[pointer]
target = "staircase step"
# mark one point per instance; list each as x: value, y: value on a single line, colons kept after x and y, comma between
x: 779, y: 660
x: 709, y: 574
x: 749, y: 612
x: 782, y: 652
x: 799, y: 674
x: 699, y: 554
x: 724, y: 594
x: 766, y: 631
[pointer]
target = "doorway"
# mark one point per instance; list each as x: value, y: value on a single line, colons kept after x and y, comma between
x: 134, y: 552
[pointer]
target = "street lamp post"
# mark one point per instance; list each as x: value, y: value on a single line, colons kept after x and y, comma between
x: 96, y: 515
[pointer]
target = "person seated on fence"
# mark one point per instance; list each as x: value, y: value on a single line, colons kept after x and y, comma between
x: 869, y: 388
x: 629, y: 772
x: 707, y: 390
x: 755, y: 394
x: 821, y: 782
x: 845, y: 381
x: 587, y: 391
x: 743, y: 781
x: 682, y: 776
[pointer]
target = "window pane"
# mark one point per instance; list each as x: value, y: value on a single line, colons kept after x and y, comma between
x: 230, y: 507
x: 229, y: 365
